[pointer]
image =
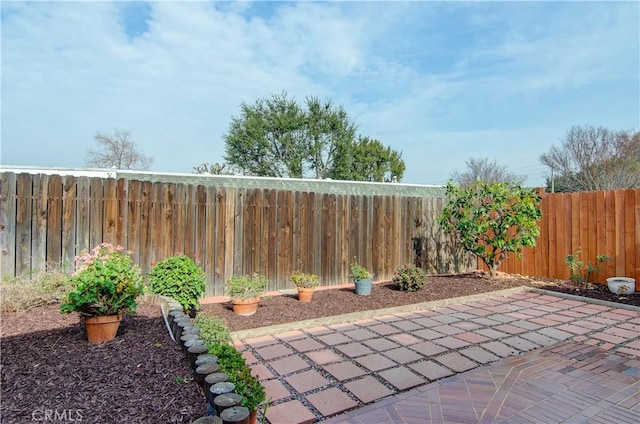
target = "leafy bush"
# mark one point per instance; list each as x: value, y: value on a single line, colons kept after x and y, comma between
x: 229, y: 358
x: 409, y: 278
x: 106, y: 282
x: 33, y: 290
x: 304, y: 281
x: 245, y: 287
x: 179, y: 278
x: 212, y: 329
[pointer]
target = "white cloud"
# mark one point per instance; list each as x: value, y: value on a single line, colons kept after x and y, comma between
x: 501, y: 80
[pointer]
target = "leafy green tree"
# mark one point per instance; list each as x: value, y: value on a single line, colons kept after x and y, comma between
x: 268, y: 138
x: 491, y: 219
x: 369, y: 160
x: 329, y: 132
x: 278, y: 138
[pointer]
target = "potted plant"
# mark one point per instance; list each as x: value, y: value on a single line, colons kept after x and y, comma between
x: 105, y: 286
x: 305, y: 283
x: 362, y: 278
x: 244, y: 292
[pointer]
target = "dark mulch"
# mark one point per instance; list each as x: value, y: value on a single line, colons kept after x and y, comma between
x: 282, y: 309
x: 47, y: 365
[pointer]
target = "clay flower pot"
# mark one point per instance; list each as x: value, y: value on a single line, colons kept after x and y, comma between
x: 305, y: 294
x: 245, y: 307
x: 102, y: 328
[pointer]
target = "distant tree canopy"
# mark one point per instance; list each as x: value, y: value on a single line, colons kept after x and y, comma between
x: 592, y: 158
x: 484, y: 170
x: 119, y: 151
x: 276, y: 137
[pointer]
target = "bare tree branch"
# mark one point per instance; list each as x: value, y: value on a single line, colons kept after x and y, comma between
x: 117, y: 150
x: 595, y: 159
x: 483, y: 170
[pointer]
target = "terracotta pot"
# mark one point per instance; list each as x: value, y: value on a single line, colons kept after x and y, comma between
x: 103, y: 328
x: 245, y: 307
x: 305, y: 294
x: 253, y: 416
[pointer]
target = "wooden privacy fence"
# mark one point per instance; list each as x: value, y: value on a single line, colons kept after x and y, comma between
x: 597, y: 222
x: 47, y: 220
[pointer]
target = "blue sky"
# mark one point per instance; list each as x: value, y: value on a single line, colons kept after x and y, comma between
x: 439, y: 81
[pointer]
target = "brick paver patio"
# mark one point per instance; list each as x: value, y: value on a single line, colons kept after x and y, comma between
x: 459, y: 363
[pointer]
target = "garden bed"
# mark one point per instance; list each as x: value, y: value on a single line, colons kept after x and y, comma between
x: 283, y: 309
x: 142, y: 376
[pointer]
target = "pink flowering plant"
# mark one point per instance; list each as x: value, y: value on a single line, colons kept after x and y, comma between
x: 106, y: 282
x: 409, y: 278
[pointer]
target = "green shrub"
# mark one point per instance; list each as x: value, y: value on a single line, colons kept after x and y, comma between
x: 247, y: 385
x: 212, y: 329
x: 179, y: 278
x: 409, y: 278
x: 229, y: 359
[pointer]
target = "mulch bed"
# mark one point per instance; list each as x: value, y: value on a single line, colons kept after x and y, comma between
x: 143, y: 377
x: 282, y: 309
x: 140, y: 377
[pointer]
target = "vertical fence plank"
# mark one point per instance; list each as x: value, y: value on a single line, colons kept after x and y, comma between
x: 54, y: 222
x: 295, y: 258
x: 168, y: 218
x: 636, y: 211
x: 610, y: 232
x: 132, y: 204
x: 619, y: 225
x: 96, y: 205
x: 229, y: 233
x: 304, y: 265
x: 248, y: 239
x: 221, y: 222
x: 8, y: 183
x: 110, y: 211
x: 200, y: 226
x: 179, y: 220
x: 68, y: 221
x: 122, y: 196
x: 265, y: 256
x: 39, y: 225
x: 213, y: 272
x: 255, y: 211
x: 24, y: 198
x: 190, y: 228
x: 83, y: 214
x: 629, y: 232
x: 146, y: 230
x: 238, y: 231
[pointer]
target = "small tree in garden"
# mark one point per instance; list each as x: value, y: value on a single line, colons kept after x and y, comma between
x: 491, y: 220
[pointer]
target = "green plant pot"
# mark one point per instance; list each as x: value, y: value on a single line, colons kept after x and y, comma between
x: 363, y: 287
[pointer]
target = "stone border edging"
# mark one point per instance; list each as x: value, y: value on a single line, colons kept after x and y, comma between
x: 339, y: 319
